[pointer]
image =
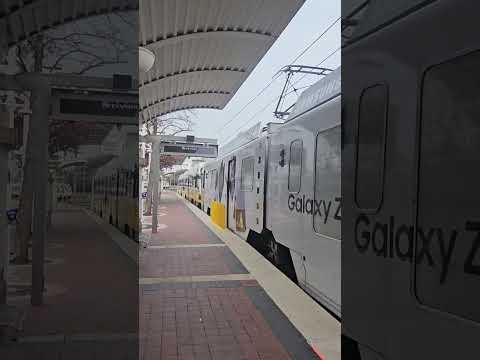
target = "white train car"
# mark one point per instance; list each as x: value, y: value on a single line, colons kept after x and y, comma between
x: 281, y: 192
x: 115, y: 190
x: 240, y: 187
x: 210, y: 184
x: 303, y: 187
x: 190, y: 185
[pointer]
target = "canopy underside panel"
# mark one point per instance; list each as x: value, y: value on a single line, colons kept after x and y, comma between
x: 205, y: 49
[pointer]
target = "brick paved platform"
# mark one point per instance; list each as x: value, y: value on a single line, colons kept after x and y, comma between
x: 168, y: 262
x: 91, y: 297
x: 189, y: 231
x: 191, y: 309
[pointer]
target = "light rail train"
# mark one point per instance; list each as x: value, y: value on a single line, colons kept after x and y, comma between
x: 115, y: 190
x: 190, y: 185
x: 281, y: 192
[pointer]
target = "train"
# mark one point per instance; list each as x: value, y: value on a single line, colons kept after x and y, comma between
x: 280, y: 192
x: 116, y: 189
x: 411, y: 149
x: 190, y: 185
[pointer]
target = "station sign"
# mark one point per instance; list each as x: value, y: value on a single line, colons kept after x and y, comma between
x: 191, y: 149
x: 98, y: 107
x: 107, y: 107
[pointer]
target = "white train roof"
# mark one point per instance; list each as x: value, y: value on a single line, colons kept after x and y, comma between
x: 205, y: 49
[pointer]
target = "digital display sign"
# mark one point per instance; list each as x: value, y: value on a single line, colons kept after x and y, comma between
x: 210, y: 151
x: 99, y: 107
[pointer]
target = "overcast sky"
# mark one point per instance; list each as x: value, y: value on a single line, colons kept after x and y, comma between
x: 310, y: 21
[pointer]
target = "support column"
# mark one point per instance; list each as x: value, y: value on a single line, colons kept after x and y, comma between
x: 40, y: 104
x: 155, y: 173
x: 140, y: 199
x: 6, y: 142
x: 4, y: 256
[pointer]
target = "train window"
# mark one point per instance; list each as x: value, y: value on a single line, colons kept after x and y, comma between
x: 447, y: 239
x: 247, y: 175
x: 215, y: 176
x: 327, y: 183
x: 295, y: 166
x: 221, y: 178
x: 371, y: 131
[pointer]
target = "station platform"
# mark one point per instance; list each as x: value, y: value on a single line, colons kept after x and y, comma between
x: 205, y: 294
x: 90, y: 308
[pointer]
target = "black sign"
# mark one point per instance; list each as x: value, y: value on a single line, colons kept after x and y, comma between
x: 122, y: 82
x: 200, y: 150
x: 99, y: 107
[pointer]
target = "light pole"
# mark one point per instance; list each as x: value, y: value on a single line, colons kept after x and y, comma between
x: 146, y: 60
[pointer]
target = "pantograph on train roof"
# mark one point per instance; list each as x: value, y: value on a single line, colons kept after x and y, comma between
x: 322, y: 90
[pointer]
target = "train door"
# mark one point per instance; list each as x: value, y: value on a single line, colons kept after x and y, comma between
x: 231, y: 194
x: 284, y: 185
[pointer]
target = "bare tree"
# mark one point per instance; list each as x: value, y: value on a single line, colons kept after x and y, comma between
x: 173, y: 124
x: 73, y: 49
x: 79, y: 49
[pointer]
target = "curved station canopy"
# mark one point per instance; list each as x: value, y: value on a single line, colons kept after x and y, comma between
x: 204, y: 49
x: 20, y: 19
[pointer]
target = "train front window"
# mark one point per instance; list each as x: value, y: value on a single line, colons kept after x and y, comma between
x: 447, y: 238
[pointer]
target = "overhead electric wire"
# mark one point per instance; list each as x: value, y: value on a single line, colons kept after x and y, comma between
x: 275, y: 77
x: 320, y: 63
x: 314, y: 41
x: 278, y: 96
x: 262, y: 110
x: 251, y: 101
